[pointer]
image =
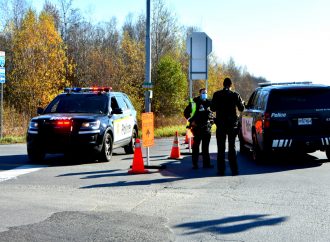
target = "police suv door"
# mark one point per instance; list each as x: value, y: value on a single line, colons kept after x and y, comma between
x: 123, y: 123
x: 248, y: 117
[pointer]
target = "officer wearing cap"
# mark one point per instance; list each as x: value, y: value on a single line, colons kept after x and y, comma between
x: 225, y: 103
x: 201, y: 120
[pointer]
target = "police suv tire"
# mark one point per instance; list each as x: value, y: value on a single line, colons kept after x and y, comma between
x: 35, y: 155
x: 106, y: 151
x: 327, y: 152
x: 129, y: 149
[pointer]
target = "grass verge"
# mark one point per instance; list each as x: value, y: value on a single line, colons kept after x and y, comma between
x: 12, y: 140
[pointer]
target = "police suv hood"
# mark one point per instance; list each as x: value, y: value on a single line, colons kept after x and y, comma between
x: 74, y: 116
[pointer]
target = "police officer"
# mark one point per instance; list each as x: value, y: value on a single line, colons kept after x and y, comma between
x: 224, y: 103
x: 200, y: 118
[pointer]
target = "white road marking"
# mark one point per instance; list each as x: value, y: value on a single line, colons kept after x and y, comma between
x: 21, y: 170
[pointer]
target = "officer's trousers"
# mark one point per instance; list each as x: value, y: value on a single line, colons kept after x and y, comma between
x: 203, y: 137
x: 222, y: 133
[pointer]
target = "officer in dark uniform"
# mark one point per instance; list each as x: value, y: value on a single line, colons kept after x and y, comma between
x: 224, y: 103
x: 201, y: 121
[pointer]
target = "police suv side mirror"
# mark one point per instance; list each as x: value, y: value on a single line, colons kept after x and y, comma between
x: 40, y: 110
x: 117, y: 111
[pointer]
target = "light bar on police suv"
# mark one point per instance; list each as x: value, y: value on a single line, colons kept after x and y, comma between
x: 87, y: 89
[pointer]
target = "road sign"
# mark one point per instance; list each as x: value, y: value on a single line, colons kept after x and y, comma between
x: 199, y: 46
x: 147, y: 85
x: 2, y: 67
x: 2, y: 75
x: 147, y: 129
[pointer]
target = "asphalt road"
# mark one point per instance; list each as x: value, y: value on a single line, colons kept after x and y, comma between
x: 286, y: 199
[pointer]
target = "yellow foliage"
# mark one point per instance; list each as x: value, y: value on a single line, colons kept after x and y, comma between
x: 39, y: 63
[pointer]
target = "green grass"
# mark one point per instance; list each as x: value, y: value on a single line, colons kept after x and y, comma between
x: 170, y: 131
x: 12, y: 139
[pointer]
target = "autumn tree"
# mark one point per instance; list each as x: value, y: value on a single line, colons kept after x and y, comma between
x: 165, y: 33
x: 52, y: 10
x: 131, y: 70
x: 170, y: 87
x: 12, y: 12
x: 38, y: 71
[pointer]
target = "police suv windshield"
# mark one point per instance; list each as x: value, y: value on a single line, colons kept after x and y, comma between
x: 79, y: 103
x: 300, y: 98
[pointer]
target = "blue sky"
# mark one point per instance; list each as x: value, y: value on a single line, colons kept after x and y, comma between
x: 281, y: 40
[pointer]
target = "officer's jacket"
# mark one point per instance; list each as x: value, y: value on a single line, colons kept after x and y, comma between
x: 203, y: 116
x: 224, y: 103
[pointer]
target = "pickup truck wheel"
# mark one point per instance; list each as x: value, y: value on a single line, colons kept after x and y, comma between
x: 129, y: 149
x: 106, y: 152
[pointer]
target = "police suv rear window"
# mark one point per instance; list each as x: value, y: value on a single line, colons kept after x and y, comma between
x: 300, y: 98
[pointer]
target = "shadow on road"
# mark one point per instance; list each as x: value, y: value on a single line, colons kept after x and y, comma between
x: 12, y: 161
x: 230, y: 225
x: 181, y: 170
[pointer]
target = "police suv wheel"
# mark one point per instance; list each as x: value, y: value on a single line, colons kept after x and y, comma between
x: 129, y: 149
x: 106, y: 152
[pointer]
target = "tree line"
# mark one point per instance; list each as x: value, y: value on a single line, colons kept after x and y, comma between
x: 58, y: 47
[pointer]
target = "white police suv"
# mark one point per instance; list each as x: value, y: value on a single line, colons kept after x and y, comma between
x: 83, y: 120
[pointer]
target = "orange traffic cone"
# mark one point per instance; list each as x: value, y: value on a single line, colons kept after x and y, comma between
x: 188, y: 135
x: 138, y: 163
x: 175, y: 152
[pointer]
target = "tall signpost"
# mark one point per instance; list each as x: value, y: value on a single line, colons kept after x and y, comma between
x: 2, y: 81
x: 147, y: 85
x: 199, y: 46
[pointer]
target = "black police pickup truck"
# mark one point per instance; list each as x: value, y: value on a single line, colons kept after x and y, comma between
x: 83, y: 120
x: 286, y: 117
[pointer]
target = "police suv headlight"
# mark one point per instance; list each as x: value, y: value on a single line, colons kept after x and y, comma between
x: 91, y: 125
x: 33, y: 125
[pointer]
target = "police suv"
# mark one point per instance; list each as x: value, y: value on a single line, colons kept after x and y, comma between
x: 89, y: 120
x: 286, y: 117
